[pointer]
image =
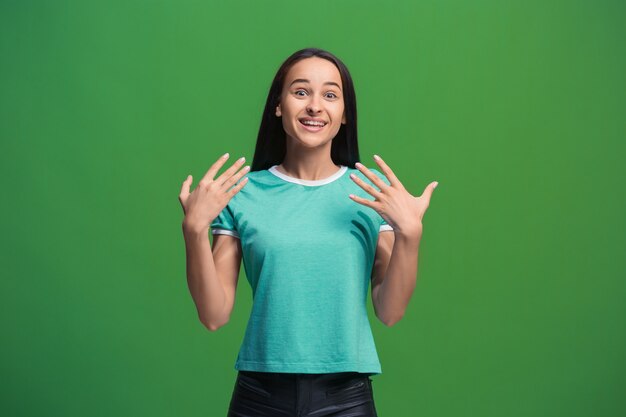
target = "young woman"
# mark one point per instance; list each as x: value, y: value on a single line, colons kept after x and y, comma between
x: 312, y: 241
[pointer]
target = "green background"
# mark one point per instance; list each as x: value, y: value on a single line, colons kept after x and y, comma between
x: 516, y: 108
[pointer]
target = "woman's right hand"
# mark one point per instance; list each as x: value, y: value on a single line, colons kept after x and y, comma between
x: 210, y: 197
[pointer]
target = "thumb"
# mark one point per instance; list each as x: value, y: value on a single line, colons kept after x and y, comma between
x: 428, y: 192
x: 184, y: 191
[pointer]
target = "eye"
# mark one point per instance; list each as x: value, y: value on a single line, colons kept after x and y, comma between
x: 333, y: 94
x: 297, y: 91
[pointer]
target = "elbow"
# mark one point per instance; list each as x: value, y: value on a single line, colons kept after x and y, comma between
x: 212, y: 325
x: 390, y: 321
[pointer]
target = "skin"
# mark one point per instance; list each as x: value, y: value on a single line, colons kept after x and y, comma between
x: 308, y: 153
x: 394, y: 274
x: 212, y: 271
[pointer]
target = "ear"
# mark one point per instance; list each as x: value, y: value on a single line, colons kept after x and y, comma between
x: 278, y: 111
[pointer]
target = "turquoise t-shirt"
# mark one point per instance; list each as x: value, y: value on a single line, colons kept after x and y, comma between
x: 308, y: 251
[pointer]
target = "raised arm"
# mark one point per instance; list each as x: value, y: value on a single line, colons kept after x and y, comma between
x: 212, y: 272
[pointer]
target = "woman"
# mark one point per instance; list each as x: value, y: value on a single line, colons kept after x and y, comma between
x: 311, y: 242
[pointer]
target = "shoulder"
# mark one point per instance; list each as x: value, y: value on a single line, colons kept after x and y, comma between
x: 255, y: 177
x: 258, y: 183
x: 257, y: 174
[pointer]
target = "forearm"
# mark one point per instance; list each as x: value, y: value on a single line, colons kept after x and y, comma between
x: 205, y: 288
x: 400, y: 279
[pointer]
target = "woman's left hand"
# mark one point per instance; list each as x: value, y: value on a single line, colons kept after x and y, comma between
x: 402, y: 211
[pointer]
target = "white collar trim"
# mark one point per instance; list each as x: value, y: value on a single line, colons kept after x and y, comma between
x: 322, y: 181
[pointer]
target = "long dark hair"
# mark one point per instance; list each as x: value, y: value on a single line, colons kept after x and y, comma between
x: 271, y: 141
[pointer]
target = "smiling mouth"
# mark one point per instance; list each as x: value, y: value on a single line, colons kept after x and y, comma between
x: 312, y: 126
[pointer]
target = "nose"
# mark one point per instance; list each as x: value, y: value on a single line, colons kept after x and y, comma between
x: 313, y: 106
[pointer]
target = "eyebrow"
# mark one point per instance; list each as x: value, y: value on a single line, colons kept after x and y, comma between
x: 302, y: 80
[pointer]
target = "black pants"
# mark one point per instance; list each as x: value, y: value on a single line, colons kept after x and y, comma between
x: 261, y: 394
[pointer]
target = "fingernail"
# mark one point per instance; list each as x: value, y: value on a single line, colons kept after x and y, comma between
x: 436, y: 184
x: 376, y: 157
x: 225, y: 155
x: 243, y: 158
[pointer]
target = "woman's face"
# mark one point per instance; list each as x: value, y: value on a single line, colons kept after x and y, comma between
x: 312, y: 93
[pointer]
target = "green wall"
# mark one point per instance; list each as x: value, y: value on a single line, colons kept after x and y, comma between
x: 516, y: 108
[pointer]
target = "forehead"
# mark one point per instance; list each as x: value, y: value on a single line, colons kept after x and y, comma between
x: 316, y: 70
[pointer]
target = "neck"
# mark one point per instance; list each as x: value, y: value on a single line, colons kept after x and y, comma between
x: 308, y: 164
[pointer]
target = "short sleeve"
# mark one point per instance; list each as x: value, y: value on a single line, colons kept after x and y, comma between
x: 224, y: 224
x: 384, y: 226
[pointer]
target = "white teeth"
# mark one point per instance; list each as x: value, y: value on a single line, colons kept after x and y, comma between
x: 312, y: 123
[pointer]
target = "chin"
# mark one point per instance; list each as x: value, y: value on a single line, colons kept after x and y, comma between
x: 312, y: 139
x: 305, y: 140
x: 315, y: 143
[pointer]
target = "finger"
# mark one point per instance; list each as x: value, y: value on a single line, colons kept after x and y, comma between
x: 428, y: 191
x: 237, y: 187
x: 210, y: 174
x: 236, y: 177
x: 386, y: 170
x: 367, y: 187
x: 184, y: 190
x: 222, y: 179
x: 371, y: 176
x: 364, y: 201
